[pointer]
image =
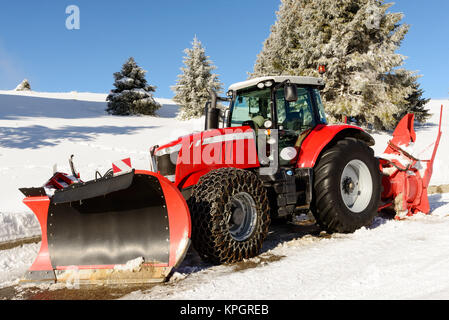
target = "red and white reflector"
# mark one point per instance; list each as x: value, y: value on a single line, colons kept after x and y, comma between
x: 122, y: 166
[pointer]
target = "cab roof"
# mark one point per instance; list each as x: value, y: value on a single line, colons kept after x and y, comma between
x: 310, y: 81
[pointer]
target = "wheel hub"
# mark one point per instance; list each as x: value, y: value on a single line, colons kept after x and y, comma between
x: 242, y: 222
x: 238, y: 216
x: 356, y: 186
x: 348, y: 185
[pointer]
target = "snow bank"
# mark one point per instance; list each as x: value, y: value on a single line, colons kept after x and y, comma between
x: 15, y: 262
x: 19, y: 225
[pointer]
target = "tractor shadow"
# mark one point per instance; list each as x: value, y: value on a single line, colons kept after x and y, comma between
x: 436, y: 201
x: 280, y: 232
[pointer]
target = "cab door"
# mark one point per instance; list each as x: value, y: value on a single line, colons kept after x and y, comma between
x: 294, y: 120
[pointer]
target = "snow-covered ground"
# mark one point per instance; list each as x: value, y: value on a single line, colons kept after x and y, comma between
x: 389, y: 260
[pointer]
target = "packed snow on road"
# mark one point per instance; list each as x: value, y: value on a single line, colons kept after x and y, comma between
x: 389, y: 260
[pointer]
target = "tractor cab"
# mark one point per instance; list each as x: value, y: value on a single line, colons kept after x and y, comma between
x: 291, y: 105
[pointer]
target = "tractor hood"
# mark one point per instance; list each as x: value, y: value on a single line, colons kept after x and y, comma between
x: 204, y: 152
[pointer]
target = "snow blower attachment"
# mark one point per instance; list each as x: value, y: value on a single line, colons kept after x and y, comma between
x: 125, y: 227
x: 406, y: 178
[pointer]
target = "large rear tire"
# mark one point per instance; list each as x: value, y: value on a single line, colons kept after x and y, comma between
x: 230, y: 216
x: 347, y: 187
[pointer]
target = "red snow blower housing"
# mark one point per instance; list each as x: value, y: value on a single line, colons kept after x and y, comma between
x: 406, y: 178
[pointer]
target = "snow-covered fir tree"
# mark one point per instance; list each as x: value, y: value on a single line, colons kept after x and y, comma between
x: 23, y: 86
x: 357, y: 41
x: 197, y: 76
x: 132, y: 94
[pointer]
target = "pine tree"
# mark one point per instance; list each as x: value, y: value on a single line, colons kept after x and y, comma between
x: 414, y: 103
x: 357, y: 40
x: 23, y: 86
x: 132, y: 95
x: 417, y: 105
x: 191, y: 87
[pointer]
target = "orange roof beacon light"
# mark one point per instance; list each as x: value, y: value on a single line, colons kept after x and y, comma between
x: 321, y: 69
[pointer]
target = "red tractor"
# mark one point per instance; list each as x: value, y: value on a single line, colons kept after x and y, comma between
x: 270, y: 154
x: 308, y: 167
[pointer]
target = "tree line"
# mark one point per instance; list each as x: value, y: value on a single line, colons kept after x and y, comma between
x: 357, y: 41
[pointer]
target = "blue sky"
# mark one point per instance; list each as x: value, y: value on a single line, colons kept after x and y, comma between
x: 35, y: 44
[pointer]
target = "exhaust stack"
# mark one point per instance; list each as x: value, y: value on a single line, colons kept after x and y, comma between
x: 213, y: 111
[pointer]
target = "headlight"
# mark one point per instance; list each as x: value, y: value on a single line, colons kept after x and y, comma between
x: 289, y: 153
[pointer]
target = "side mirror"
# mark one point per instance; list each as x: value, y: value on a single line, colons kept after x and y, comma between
x: 291, y: 92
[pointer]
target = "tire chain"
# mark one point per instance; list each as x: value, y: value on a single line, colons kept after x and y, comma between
x: 210, y: 207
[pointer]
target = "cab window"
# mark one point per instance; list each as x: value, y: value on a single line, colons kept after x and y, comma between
x: 295, y: 116
x: 251, y: 106
x: 319, y: 103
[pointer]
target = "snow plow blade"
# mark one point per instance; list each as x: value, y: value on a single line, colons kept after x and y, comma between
x: 130, y: 228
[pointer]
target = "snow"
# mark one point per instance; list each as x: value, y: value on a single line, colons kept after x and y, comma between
x: 132, y: 265
x: 393, y: 260
x: 388, y: 260
x: 39, y: 130
x: 18, y: 225
x: 15, y: 262
x: 278, y: 79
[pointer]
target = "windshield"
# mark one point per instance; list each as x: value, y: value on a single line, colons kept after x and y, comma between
x: 251, y: 105
x: 295, y: 116
x: 319, y: 103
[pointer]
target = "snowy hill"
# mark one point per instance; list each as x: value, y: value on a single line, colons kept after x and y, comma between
x: 38, y: 130
x: 388, y: 260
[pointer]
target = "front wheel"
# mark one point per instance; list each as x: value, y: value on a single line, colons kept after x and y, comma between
x: 230, y: 216
x: 347, y: 187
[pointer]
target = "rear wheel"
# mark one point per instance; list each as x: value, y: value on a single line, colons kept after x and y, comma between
x: 230, y: 216
x: 347, y: 187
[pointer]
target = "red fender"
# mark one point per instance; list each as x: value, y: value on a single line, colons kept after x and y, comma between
x: 321, y: 136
